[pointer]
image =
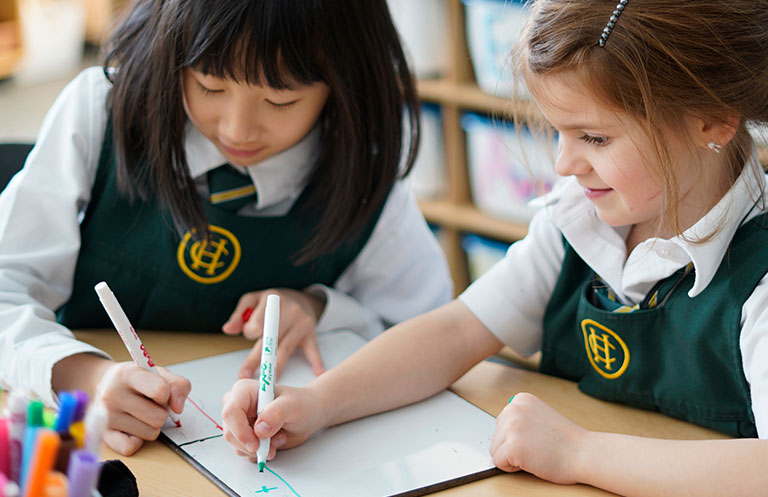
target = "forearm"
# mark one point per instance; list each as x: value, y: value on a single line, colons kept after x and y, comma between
x: 79, y: 371
x: 635, y: 466
x: 407, y: 363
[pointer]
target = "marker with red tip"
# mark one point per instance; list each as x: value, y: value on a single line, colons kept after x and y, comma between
x: 130, y: 338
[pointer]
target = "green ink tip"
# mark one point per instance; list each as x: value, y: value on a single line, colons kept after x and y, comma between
x: 261, y: 467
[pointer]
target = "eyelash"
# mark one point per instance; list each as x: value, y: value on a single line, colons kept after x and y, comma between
x: 278, y: 107
x: 598, y: 141
x: 281, y: 107
x: 208, y: 91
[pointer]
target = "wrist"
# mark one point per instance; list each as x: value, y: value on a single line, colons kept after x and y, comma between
x: 583, y: 450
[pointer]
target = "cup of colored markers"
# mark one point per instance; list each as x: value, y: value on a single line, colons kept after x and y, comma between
x: 50, y: 454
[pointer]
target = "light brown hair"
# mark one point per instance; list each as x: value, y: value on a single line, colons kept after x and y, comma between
x: 664, y: 60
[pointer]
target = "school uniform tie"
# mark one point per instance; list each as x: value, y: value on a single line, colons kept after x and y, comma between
x: 229, y: 188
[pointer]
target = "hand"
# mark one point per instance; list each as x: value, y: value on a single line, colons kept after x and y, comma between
x: 299, y: 312
x: 289, y: 420
x: 137, y: 404
x: 532, y: 436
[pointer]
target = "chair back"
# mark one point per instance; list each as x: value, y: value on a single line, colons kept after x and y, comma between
x: 12, y: 157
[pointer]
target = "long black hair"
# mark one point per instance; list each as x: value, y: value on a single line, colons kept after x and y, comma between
x: 369, y: 126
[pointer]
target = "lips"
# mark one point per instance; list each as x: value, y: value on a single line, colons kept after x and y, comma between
x: 595, y: 193
x: 238, y: 152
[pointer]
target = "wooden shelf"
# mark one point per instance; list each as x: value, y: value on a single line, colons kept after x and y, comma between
x: 469, y: 96
x: 467, y: 218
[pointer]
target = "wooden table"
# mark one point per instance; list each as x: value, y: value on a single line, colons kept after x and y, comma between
x: 488, y: 385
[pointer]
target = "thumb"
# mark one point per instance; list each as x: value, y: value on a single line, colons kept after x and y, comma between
x: 285, y: 409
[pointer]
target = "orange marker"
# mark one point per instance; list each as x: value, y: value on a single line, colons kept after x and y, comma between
x: 56, y: 485
x: 42, y: 461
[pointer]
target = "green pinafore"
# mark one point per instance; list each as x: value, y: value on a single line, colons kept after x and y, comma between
x: 168, y: 281
x: 680, y: 357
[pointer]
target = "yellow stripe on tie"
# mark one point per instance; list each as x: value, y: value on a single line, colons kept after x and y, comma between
x: 232, y: 194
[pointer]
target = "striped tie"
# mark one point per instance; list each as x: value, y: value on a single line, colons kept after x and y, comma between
x: 229, y: 188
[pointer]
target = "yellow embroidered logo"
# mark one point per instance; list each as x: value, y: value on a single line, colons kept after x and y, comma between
x: 606, y: 351
x: 209, y: 261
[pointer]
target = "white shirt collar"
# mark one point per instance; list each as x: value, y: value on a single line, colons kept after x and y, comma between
x: 603, y: 247
x: 276, y: 178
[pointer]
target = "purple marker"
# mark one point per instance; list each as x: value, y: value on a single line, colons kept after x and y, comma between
x: 83, y: 473
x: 82, y: 403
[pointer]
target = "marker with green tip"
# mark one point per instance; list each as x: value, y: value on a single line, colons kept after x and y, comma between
x: 267, y: 369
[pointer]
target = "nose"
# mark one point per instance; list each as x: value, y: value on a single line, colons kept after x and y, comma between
x: 570, y: 158
x: 239, y: 123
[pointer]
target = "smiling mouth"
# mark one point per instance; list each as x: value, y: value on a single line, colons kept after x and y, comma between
x: 594, y: 193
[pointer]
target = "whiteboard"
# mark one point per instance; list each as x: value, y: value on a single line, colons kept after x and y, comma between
x: 437, y: 443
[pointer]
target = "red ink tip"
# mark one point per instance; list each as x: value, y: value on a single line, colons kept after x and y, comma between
x: 247, y: 314
x: 178, y: 424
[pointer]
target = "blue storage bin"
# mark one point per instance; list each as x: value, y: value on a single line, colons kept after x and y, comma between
x: 482, y: 253
x: 492, y: 28
x: 507, y: 169
x: 427, y: 178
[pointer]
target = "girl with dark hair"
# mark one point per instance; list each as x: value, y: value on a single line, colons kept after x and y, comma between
x: 226, y: 149
x: 644, y: 277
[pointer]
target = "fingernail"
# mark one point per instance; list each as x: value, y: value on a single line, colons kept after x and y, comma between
x: 262, y: 427
x: 279, y: 442
x: 252, y: 447
x: 247, y: 373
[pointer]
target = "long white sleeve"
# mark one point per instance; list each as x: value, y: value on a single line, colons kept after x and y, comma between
x: 40, y: 236
x: 400, y: 273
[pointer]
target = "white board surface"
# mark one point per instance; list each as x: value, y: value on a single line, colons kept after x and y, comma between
x: 410, y: 450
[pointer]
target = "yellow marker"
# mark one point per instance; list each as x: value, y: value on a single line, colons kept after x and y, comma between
x: 77, y: 430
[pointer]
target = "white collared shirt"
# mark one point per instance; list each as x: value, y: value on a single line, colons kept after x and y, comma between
x: 400, y: 272
x: 510, y: 299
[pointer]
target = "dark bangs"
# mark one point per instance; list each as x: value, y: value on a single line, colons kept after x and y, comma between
x: 268, y: 43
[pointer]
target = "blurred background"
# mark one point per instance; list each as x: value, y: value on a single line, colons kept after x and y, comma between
x: 475, y: 172
x: 473, y: 177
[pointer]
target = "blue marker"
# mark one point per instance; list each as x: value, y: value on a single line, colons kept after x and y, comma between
x: 34, y: 422
x: 66, y: 412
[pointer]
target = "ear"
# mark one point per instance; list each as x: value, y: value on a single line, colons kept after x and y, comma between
x: 719, y: 131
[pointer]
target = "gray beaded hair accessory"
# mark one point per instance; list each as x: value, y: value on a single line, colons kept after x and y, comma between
x: 612, y: 22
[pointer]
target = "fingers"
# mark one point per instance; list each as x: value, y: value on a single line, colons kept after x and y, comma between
x: 179, y: 389
x: 251, y: 363
x: 286, y: 345
x: 312, y: 353
x: 240, y: 320
x: 239, y: 410
x: 122, y: 443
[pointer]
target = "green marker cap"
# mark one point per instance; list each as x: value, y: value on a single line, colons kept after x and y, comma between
x: 35, y: 413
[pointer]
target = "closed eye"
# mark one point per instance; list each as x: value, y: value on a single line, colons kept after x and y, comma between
x: 595, y: 140
x: 283, y: 105
x: 207, y: 90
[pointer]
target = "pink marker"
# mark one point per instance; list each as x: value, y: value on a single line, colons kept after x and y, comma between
x: 17, y: 425
x: 128, y: 334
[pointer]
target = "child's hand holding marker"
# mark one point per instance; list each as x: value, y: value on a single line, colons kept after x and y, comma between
x: 299, y: 313
x: 137, y: 395
x: 252, y: 400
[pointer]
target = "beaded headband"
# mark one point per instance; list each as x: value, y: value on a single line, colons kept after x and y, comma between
x: 612, y: 22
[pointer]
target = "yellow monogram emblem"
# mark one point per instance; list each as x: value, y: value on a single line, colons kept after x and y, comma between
x: 606, y: 351
x: 209, y: 261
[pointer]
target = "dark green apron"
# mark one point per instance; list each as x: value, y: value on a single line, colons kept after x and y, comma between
x: 681, y: 358
x: 171, y: 282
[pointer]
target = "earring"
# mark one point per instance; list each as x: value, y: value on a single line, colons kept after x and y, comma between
x: 714, y: 147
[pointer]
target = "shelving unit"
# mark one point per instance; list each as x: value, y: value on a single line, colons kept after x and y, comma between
x: 10, y: 38
x: 455, y: 93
